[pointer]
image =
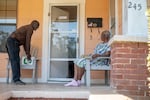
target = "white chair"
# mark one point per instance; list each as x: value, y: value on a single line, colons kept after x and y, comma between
x: 88, y: 68
x: 32, y: 66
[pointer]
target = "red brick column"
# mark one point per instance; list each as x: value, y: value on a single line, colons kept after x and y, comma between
x: 129, y: 71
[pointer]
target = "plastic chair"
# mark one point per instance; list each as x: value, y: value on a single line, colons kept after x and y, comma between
x: 32, y: 65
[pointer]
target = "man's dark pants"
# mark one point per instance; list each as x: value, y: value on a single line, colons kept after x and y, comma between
x: 13, y: 53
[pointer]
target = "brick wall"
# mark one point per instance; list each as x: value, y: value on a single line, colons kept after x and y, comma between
x: 129, y: 71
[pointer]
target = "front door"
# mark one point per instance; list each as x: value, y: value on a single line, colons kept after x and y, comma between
x: 63, y: 41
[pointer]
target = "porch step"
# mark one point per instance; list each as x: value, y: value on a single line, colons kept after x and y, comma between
x: 45, y: 95
x: 59, y: 92
x: 46, y: 99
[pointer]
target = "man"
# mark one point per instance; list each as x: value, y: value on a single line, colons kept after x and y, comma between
x: 22, y: 36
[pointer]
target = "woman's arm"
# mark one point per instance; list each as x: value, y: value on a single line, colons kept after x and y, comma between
x: 106, y: 54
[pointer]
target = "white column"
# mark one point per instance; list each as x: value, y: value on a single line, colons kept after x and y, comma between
x: 136, y: 18
x: 134, y: 22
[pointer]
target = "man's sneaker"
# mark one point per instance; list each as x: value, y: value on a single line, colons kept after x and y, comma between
x: 19, y: 83
x: 72, y: 83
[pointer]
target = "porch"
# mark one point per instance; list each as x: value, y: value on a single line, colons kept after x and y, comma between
x: 56, y: 91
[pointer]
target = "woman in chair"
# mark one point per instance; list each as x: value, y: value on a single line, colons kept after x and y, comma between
x: 101, y: 50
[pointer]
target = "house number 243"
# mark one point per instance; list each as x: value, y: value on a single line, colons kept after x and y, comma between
x: 135, y: 6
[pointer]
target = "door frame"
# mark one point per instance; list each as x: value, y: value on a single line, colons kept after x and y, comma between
x: 69, y: 59
x: 45, y: 42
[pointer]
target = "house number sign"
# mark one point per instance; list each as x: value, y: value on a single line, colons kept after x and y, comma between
x: 137, y: 21
x: 135, y: 5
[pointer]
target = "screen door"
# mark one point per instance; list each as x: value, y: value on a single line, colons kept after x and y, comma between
x: 63, y: 41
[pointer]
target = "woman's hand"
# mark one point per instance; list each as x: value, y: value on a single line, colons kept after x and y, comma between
x: 95, y: 56
x: 82, y: 56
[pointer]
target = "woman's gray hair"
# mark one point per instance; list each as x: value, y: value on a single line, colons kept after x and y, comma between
x: 107, y: 34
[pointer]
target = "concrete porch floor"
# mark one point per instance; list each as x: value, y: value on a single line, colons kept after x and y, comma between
x: 57, y: 90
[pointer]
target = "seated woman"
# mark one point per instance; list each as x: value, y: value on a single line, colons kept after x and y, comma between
x: 101, y: 50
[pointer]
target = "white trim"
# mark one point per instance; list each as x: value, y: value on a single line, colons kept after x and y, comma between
x: 3, y: 80
x: 29, y: 81
x: 45, y: 48
x: 26, y: 80
x: 45, y: 41
x: 124, y: 16
x: 116, y: 17
x: 109, y: 17
x: 127, y: 38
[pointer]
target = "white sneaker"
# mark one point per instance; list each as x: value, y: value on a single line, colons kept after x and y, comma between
x: 72, y: 83
x: 79, y: 82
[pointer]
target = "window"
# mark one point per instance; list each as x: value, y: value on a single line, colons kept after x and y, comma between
x: 8, y: 13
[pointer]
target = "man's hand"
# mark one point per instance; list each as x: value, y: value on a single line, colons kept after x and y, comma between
x: 29, y: 57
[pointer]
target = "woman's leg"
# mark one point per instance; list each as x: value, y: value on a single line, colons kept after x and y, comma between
x: 74, y: 81
x: 75, y: 72
x: 80, y: 72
